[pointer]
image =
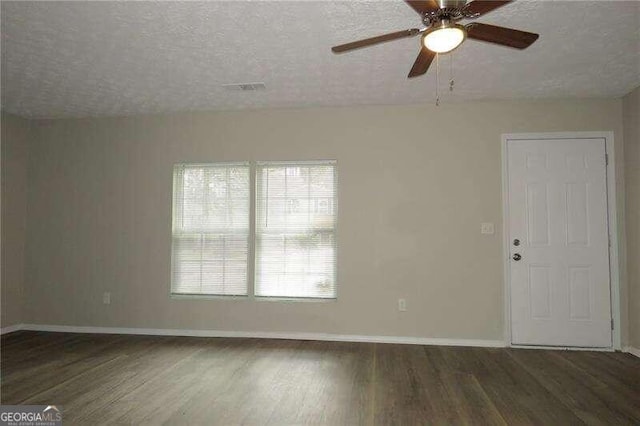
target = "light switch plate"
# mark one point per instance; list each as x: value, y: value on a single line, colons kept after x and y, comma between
x: 487, y: 228
x: 402, y: 305
x: 106, y: 298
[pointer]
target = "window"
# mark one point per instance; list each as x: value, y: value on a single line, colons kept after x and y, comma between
x: 295, y: 230
x: 293, y: 242
x: 210, y: 229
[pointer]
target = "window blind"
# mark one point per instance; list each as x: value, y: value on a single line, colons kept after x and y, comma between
x: 210, y: 229
x: 296, y: 208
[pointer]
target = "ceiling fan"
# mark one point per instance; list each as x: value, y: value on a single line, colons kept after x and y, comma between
x: 442, y: 33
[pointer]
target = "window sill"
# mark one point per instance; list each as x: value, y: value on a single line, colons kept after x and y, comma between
x: 256, y: 298
x: 207, y: 297
x: 295, y: 299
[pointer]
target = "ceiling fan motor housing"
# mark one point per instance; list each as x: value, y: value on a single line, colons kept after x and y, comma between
x: 452, y: 4
x: 450, y: 10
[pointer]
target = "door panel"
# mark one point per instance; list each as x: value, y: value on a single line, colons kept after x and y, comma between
x: 560, y: 292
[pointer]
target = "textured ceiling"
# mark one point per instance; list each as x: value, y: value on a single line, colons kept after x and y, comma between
x: 74, y: 59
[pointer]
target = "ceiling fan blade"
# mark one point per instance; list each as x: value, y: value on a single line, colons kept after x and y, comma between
x: 421, y: 65
x: 484, y: 6
x: 500, y: 35
x: 375, y: 40
x: 423, y: 6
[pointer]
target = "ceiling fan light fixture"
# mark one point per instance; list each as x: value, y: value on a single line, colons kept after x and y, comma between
x: 444, y: 37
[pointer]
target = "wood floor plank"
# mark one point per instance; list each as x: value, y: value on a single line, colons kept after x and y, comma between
x: 518, y: 396
x: 243, y: 389
x: 141, y: 361
x: 610, y: 370
x: 332, y: 385
x: 325, y: 383
x: 182, y: 381
x: 473, y: 404
x: 592, y: 402
x: 400, y: 397
x: 185, y: 380
x: 57, y: 365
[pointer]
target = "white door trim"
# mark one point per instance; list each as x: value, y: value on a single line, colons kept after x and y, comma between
x: 614, y: 267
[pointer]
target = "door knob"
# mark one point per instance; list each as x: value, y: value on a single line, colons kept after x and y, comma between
x: 517, y: 257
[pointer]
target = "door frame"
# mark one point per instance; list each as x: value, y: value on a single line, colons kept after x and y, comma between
x: 612, y: 209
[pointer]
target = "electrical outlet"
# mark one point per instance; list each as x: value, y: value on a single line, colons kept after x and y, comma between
x: 402, y: 305
x: 106, y: 298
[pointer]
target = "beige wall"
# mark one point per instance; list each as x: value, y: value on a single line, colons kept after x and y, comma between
x: 631, y: 118
x: 14, y: 212
x: 415, y: 182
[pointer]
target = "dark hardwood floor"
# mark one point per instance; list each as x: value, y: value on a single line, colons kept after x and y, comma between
x: 116, y: 379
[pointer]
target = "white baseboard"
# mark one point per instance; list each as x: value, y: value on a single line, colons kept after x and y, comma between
x: 406, y: 340
x: 632, y: 351
x: 268, y: 335
x: 564, y: 348
x: 11, y: 328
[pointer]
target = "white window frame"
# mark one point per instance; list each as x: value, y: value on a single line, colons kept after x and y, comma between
x: 292, y: 164
x: 174, y: 215
x: 251, y: 257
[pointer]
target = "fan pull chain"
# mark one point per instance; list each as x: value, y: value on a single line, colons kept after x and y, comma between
x: 451, y: 81
x: 437, y: 79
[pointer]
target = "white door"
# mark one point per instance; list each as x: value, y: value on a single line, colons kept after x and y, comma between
x: 559, y: 267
